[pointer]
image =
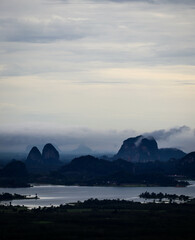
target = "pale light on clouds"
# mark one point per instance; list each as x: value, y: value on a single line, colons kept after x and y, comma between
x: 100, y: 65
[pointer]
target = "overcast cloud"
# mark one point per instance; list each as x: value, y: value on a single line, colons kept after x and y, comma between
x: 103, y: 65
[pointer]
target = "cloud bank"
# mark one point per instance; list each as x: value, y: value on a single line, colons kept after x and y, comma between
x: 104, y: 64
x: 164, y: 134
x: 100, y: 141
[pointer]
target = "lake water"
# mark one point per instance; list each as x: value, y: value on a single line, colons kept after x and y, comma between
x: 56, y: 195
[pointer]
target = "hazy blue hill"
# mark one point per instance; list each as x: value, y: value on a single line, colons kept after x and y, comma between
x: 167, y: 153
x: 6, y: 157
x: 81, y: 150
x: 186, y: 165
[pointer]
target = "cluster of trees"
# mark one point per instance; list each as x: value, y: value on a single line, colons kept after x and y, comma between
x: 161, y: 196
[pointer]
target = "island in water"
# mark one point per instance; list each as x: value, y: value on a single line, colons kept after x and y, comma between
x: 15, y: 196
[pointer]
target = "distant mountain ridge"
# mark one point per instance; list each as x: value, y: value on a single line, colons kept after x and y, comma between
x: 138, y: 149
x: 88, y: 170
x: 81, y: 150
x: 145, y: 149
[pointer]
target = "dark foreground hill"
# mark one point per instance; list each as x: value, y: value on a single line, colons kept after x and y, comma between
x: 88, y: 170
x: 14, y: 174
x: 100, y: 220
x: 140, y: 164
x: 91, y: 166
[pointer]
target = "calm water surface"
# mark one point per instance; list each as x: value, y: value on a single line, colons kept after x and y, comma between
x: 56, y: 195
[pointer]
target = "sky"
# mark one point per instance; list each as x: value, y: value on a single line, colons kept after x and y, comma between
x: 96, y: 72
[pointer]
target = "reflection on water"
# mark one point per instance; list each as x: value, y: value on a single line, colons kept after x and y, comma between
x: 56, y: 195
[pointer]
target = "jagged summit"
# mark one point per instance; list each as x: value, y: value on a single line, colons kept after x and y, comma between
x: 145, y: 149
x: 139, y: 149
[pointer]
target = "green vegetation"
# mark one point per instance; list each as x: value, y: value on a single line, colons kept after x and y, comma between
x: 94, y: 219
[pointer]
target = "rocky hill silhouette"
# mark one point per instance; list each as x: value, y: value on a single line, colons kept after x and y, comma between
x: 145, y: 149
x: 45, y: 162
